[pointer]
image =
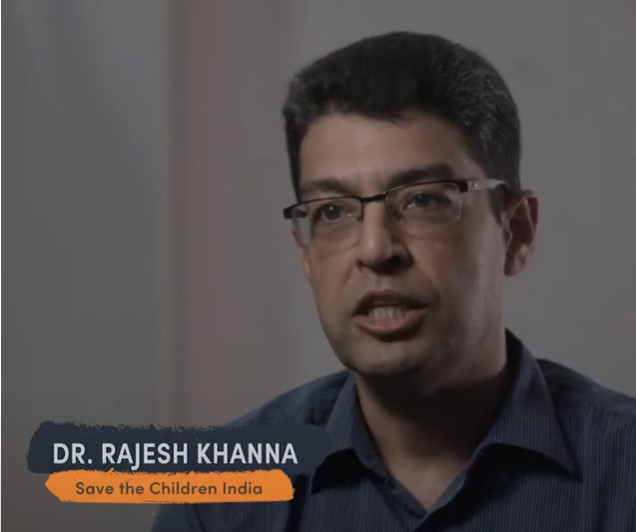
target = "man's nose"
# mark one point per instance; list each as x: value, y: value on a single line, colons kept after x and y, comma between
x: 380, y: 246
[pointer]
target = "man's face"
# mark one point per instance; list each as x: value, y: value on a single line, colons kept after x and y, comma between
x: 445, y: 291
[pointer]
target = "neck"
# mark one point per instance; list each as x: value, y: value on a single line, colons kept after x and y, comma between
x: 414, y: 424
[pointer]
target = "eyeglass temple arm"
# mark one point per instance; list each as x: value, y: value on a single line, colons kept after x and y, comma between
x: 486, y: 184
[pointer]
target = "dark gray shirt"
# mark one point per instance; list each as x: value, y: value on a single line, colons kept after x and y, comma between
x: 560, y: 456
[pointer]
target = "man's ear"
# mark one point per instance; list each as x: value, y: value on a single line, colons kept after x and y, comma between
x: 302, y: 255
x: 520, y: 218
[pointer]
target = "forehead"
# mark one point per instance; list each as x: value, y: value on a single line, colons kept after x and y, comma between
x: 364, y: 152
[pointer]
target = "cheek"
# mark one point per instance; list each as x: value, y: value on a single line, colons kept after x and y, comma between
x: 329, y: 282
x: 464, y: 270
x: 479, y: 272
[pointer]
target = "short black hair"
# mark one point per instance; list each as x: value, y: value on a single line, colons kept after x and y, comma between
x: 388, y: 75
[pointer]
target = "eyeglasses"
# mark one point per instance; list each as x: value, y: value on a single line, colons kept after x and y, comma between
x: 421, y: 210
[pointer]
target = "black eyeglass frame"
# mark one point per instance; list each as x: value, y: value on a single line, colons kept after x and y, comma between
x: 464, y: 185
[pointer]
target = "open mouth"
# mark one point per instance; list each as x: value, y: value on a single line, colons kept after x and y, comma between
x: 389, y: 314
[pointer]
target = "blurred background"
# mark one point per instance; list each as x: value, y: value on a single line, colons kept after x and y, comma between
x: 149, y: 276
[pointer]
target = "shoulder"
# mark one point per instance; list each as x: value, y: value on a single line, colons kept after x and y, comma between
x: 310, y: 403
x: 569, y: 387
x: 589, y: 411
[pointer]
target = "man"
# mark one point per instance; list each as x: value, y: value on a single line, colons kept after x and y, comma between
x: 404, y: 152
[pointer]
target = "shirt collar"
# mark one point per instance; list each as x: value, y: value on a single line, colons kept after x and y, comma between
x: 526, y: 419
x: 346, y: 428
x: 351, y: 449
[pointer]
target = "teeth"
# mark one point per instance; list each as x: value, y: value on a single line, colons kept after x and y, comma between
x: 386, y: 312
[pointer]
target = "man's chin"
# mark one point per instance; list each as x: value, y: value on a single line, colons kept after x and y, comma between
x: 385, y: 365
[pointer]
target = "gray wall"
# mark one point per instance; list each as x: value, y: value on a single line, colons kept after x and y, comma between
x: 87, y: 269
x: 148, y: 274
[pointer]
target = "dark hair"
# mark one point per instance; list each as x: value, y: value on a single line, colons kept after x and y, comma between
x: 388, y: 75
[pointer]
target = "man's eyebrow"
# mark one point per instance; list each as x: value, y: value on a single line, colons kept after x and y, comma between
x: 335, y: 186
x: 325, y: 185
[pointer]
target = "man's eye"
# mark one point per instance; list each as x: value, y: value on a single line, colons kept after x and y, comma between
x: 427, y: 201
x: 330, y: 213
